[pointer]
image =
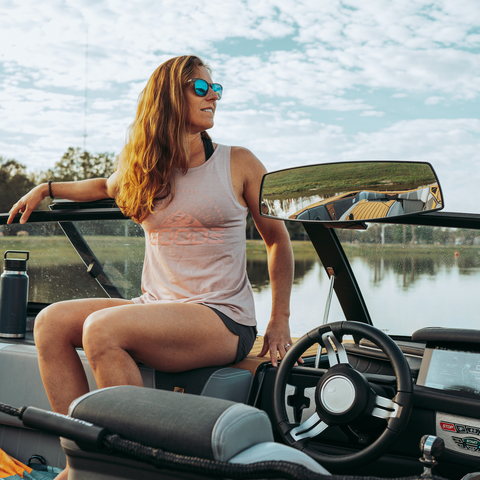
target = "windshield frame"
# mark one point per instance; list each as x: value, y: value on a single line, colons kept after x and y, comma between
x: 324, y: 239
x: 332, y: 255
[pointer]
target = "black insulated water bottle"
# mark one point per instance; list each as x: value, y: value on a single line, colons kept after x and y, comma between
x: 14, y: 295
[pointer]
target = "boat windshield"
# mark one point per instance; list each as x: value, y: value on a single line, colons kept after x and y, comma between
x: 57, y: 272
x: 416, y: 276
x: 410, y: 276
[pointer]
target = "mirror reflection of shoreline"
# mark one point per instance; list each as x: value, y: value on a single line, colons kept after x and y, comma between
x: 351, y: 191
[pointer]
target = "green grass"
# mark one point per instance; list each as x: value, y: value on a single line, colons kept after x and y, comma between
x: 423, y: 250
x: 327, y: 180
x: 116, y: 248
x: 256, y: 248
x: 57, y: 250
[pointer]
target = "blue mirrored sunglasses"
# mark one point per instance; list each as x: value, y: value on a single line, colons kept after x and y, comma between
x: 201, y: 87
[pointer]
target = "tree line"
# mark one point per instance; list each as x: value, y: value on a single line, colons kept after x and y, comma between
x: 77, y: 164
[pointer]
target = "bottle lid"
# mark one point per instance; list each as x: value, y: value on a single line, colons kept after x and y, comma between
x: 15, y: 264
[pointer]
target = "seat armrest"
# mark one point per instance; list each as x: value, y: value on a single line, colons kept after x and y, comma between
x: 190, y: 425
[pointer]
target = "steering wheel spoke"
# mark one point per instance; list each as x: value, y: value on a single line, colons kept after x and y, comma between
x: 335, y: 350
x: 311, y: 428
x: 385, y: 408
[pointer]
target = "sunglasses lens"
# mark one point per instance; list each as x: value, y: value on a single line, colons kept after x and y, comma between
x: 218, y: 89
x: 201, y: 87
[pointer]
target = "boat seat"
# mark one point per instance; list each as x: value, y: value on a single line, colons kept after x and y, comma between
x: 21, y: 385
x: 188, y: 425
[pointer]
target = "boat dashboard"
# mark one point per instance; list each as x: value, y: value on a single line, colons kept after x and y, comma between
x: 445, y: 369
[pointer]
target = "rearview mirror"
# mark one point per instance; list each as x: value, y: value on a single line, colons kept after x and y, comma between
x: 350, y: 191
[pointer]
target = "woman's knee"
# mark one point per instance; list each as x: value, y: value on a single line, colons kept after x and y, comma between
x: 45, y: 323
x: 97, y: 334
x: 55, y: 323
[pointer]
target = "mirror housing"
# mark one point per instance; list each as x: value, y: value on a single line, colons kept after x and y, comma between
x: 346, y: 194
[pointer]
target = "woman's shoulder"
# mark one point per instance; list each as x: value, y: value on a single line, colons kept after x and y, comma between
x: 243, y: 154
x: 242, y: 159
x: 235, y: 151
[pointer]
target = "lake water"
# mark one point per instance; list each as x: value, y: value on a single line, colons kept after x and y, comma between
x: 405, y: 288
x: 401, y: 298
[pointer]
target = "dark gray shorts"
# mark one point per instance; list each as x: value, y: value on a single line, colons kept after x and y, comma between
x: 246, y: 335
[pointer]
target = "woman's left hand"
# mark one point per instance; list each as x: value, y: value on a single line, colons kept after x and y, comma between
x: 277, y: 341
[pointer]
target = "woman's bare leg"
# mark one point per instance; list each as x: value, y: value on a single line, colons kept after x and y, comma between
x: 58, y: 331
x: 171, y: 337
x: 115, y: 334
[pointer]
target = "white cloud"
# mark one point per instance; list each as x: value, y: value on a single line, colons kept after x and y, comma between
x: 433, y: 100
x: 376, y: 44
x: 276, y: 99
x: 372, y: 113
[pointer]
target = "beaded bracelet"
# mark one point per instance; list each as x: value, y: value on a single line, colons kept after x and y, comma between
x: 50, y: 189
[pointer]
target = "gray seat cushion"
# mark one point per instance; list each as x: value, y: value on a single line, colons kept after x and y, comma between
x: 190, y: 425
x: 270, y: 451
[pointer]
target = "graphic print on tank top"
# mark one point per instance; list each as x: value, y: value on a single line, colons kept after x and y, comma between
x: 191, y: 223
x: 189, y: 242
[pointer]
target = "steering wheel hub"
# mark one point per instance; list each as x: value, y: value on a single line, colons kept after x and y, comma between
x: 343, y: 395
x: 337, y: 394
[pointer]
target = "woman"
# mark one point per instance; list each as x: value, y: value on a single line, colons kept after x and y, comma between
x: 193, y: 207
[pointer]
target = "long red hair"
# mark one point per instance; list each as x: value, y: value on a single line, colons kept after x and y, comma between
x: 157, y: 142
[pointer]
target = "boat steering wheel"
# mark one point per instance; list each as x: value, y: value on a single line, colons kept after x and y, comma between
x: 344, y: 395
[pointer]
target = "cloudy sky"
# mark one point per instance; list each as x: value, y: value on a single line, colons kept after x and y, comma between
x: 306, y: 81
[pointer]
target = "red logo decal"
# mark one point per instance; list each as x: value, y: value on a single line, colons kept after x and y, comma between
x: 447, y: 426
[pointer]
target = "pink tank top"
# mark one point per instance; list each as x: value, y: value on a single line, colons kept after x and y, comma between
x: 195, y: 248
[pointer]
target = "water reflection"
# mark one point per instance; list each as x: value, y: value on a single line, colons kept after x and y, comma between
x: 408, y: 269
x: 302, y: 268
x: 413, y: 267
x: 257, y: 270
x: 403, y: 291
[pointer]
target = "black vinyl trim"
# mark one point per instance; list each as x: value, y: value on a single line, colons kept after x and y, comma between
x: 332, y: 255
x: 447, y: 335
x: 62, y: 204
x: 68, y: 215
x: 438, y: 219
x: 257, y: 384
x: 455, y: 403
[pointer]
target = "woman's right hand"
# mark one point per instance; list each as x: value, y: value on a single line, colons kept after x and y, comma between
x: 28, y: 203
x: 78, y: 191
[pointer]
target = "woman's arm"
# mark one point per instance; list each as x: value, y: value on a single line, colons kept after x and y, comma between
x: 81, y: 191
x: 279, y: 252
